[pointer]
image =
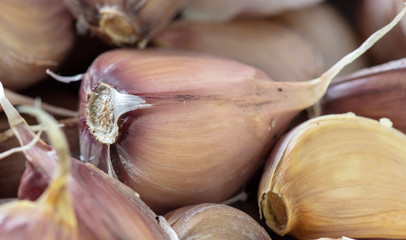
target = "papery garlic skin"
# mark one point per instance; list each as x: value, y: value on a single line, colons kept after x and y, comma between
x: 35, y: 35
x: 124, y: 22
x: 224, y: 10
x: 336, y: 175
x: 214, y: 221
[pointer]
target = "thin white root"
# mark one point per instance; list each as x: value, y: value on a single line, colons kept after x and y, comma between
x: 63, y: 79
x: 18, y: 99
x: 240, y: 197
x: 9, y: 133
x: 22, y: 148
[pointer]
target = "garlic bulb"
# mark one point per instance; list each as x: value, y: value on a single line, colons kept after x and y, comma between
x: 374, y: 92
x: 124, y: 22
x: 373, y: 15
x: 183, y: 128
x: 264, y: 44
x: 214, y: 221
x: 328, y: 31
x: 52, y: 215
x: 35, y: 35
x: 224, y: 10
x: 104, y: 208
x: 337, y: 175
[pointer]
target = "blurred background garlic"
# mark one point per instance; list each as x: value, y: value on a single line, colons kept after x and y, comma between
x: 283, y: 54
x: 214, y: 221
x: 337, y: 175
x: 124, y: 22
x: 35, y: 35
x: 373, y: 15
x: 374, y: 92
x: 329, y: 32
x: 224, y: 10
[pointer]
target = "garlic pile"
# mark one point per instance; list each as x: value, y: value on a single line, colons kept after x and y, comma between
x: 201, y: 120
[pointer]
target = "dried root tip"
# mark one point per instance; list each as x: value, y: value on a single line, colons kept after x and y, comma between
x: 276, y: 215
x: 117, y: 26
x: 104, y: 108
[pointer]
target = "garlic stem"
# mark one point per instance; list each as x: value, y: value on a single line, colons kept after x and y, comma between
x: 306, y: 94
x: 328, y: 76
x: 13, y: 116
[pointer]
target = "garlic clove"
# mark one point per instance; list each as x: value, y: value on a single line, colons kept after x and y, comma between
x: 336, y: 175
x: 124, y: 22
x: 328, y: 31
x: 104, y: 209
x: 204, y: 128
x: 35, y: 35
x: 182, y: 145
x: 224, y: 10
x: 374, y: 92
x: 52, y: 216
x: 214, y: 221
x: 264, y: 44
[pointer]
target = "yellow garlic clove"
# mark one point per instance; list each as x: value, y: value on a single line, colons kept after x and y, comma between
x: 328, y: 31
x: 374, y: 92
x: 224, y: 10
x: 35, y: 35
x: 337, y: 175
x: 214, y: 221
x: 124, y: 22
x: 264, y: 44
